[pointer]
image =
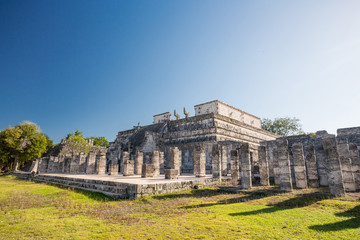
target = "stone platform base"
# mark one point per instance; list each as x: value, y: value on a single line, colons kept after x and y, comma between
x: 130, y: 187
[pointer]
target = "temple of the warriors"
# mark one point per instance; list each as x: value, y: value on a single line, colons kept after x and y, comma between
x: 219, y: 144
x: 214, y: 123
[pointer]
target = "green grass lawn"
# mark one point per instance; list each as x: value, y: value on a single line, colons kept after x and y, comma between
x: 31, y: 210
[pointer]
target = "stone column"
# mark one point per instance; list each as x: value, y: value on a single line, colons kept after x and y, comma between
x: 82, y: 162
x: 155, y: 160
x: 128, y: 165
x: 101, y: 163
x: 313, y: 179
x: 175, y: 159
x: 61, y: 163
x: 355, y: 162
x: 245, y: 166
x: 276, y: 167
x: 284, y: 165
x: 139, y: 158
x: 224, y: 170
x: 346, y: 166
x: 74, y: 164
x: 162, y: 162
x: 235, y: 168
x: 263, y: 166
x: 56, y: 165
x: 335, y: 180
x: 171, y: 174
x: 299, y: 165
x: 50, y: 168
x: 199, y: 162
x: 90, y: 168
x: 321, y: 162
x: 147, y: 171
x: 67, y: 163
x: 114, y: 166
x: 113, y: 169
x: 216, y: 162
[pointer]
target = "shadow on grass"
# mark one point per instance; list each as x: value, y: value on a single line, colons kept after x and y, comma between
x: 353, y: 222
x: 248, y: 196
x: 195, y: 193
x: 299, y: 201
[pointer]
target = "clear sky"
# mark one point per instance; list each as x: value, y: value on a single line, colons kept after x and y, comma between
x: 104, y: 66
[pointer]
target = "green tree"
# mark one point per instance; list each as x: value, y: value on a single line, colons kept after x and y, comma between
x: 74, y: 133
x: 285, y: 126
x: 21, y: 144
x: 77, y: 142
x: 100, y: 141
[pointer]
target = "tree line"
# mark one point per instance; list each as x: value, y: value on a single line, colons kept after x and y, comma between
x: 25, y: 142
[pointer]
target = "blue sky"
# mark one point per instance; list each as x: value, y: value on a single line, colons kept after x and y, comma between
x: 103, y: 66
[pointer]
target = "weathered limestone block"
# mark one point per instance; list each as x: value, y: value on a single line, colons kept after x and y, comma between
x: 127, y: 164
x: 155, y: 160
x: 263, y: 166
x: 276, y: 167
x: 148, y: 171
x: 355, y: 162
x: 235, y: 165
x: 335, y: 179
x: 43, y: 164
x: 216, y: 162
x: 321, y: 162
x: 128, y: 169
x: 82, y: 162
x: 245, y: 166
x: 101, y: 163
x: 175, y: 159
x: 61, y: 163
x: 162, y: 162
x: 224, y: 170
x: 171, y: 174
x: 56, y: 165
x: 346, y: 166
x: 74, y: 164
x: 199, y: 162
x: 51, y: 167
x: 284, y: 165
x: 312, y: 173
x: 90, y: 168
x: 139, y: 158
x: 113, y: 169
x: 67, y: 164
x: 299, y: 165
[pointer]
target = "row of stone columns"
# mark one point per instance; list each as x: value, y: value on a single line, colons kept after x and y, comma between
x: 75, y: 163
x: 339, y: 158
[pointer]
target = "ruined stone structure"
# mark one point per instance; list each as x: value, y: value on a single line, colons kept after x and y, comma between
x: 214, y: 123
x: 219, y: 140
x: 62, y: 159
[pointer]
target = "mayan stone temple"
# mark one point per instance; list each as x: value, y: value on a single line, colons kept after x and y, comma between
x: 220, y: 144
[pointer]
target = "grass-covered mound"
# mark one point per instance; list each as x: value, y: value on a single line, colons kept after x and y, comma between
x: 31, y: 210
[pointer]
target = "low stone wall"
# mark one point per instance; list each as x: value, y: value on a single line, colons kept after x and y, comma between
x: 119, y: 189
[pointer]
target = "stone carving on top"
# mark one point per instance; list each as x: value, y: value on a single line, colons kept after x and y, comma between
x: 176, y: 115
x: 186, y: 113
